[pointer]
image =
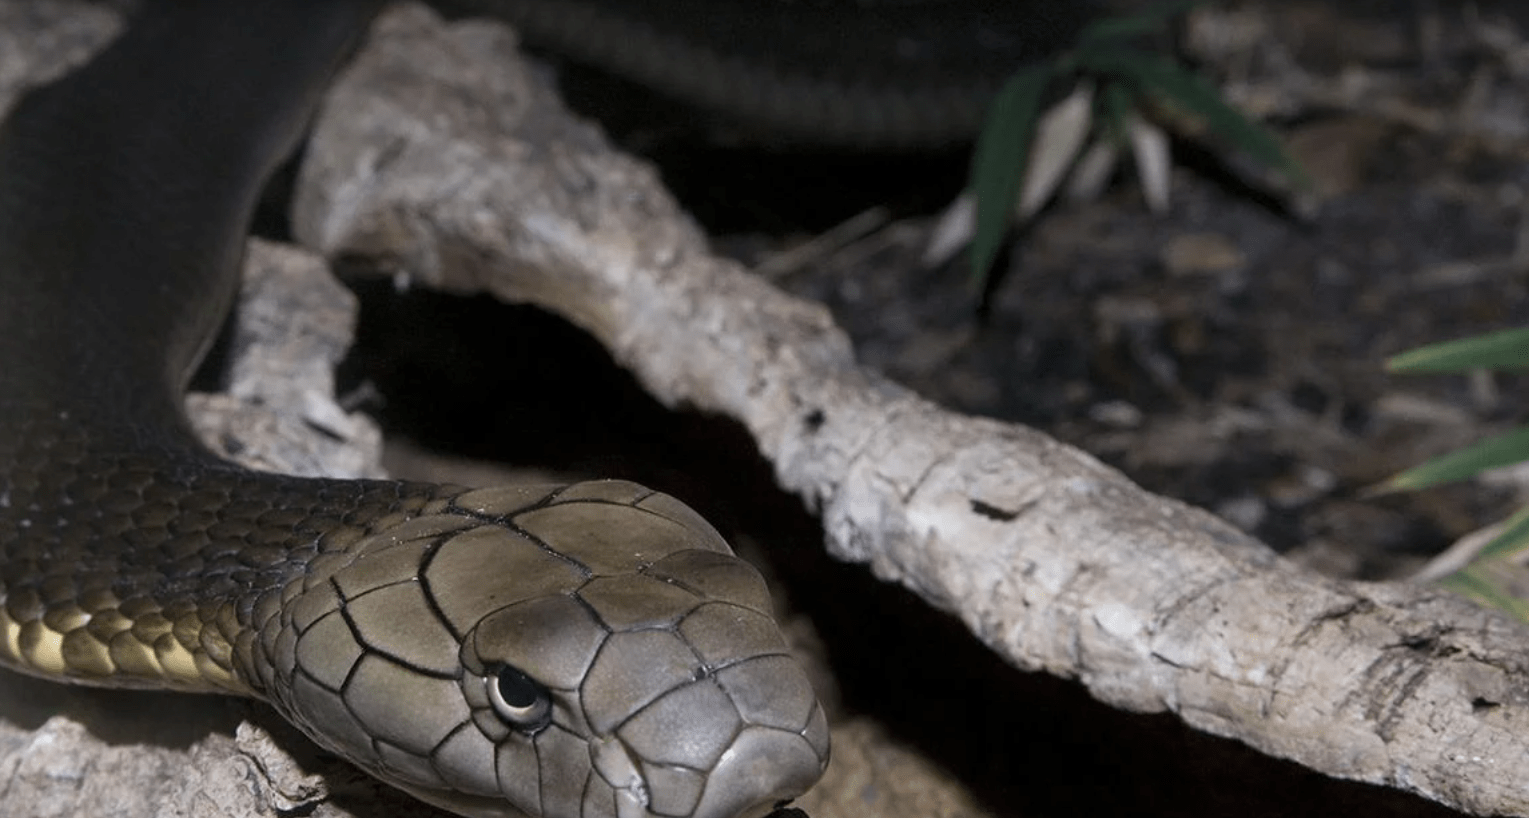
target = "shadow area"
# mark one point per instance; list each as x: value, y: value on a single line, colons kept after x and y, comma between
x: 119, y: 717
x: 473, y: 377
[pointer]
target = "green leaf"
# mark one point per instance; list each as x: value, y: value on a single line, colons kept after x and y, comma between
x: 1508, y: 349
x: 1491, y: 453
x: 1496, y: 576
x: 1110, y: 30
x: 1003, y: 149
x: 1199, y: 98
x: 1117, y: 105
x: 1484, y: 584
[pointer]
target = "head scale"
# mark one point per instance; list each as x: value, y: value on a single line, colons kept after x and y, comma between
x: 587, y: 651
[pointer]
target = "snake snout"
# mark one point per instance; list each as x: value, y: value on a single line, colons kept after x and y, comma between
x: 762, y: 769
x: 733, y: 745
x: 737, y: 732
x: 782, y: 748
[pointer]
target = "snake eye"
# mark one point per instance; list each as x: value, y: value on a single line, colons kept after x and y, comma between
x: 519, y: 700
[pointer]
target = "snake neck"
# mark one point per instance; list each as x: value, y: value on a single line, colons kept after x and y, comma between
x: 125, y: 192
x: 156, y: 566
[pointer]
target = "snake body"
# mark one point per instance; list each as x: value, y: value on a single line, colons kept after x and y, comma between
x: 881, y: 74
x: 587, y: 650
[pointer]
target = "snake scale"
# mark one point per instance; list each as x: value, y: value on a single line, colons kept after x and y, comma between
x: 587, y: 650
x: 860, y: 74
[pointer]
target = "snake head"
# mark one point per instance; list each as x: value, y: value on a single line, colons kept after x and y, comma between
x: 589, y: 651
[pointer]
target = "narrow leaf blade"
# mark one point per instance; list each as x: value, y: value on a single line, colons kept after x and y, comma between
x: 1480, y: 585
x: 1111, y: 30
x: 1512, y: 539
x: 1000, y: 159
x: 1497, y: 577
x: 1199, y: 98
x: 1508, y: 349
x: 1494, y: 452
x: 1154, y: 163
x: 1059, y: 136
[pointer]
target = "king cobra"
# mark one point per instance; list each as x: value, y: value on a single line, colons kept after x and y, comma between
x: 588, y: 650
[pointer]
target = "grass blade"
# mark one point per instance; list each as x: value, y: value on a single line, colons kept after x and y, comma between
x: 1489, y: 584
x: 1514, y: 536
x: 1201, y: 100
x: 1111, y: 30
x: 1154, y: 161
x: 1502, y: 450
x: 1000, y: 159
x: 1508, y: 349
x: 1059, y: 137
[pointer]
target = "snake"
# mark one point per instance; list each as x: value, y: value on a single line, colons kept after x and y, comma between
x: 592, y: 650
x: 862, y: 75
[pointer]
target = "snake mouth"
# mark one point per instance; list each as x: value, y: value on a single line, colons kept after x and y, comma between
x: 762, y: 768
x: 614, y: 763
